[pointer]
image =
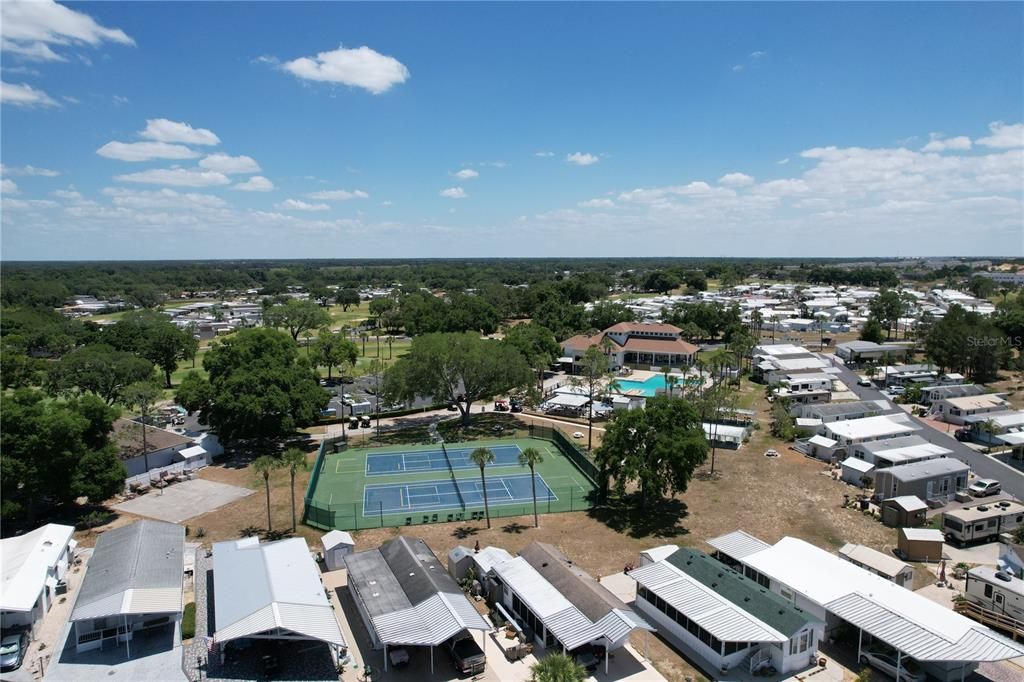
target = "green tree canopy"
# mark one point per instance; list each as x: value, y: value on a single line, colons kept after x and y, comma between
x: 151, y: 335
x: 53, y: 452
x: 296, y: 316
x: 259, y: 386
x: 99, y: 369
x: 448, y: 365
x: 346, y: 298
x: 535, y: 343
x: 334, y: 350
x: 557, y: 667
x: 872, y: 330
x: 658, y: 447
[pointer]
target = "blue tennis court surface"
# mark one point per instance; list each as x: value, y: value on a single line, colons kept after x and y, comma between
x: 382, y: 464
x: 397, y: 498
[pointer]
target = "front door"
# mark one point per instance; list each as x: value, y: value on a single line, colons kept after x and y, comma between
x: 999, y: 602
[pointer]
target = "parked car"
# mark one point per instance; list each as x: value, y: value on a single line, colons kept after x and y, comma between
x: 962, y: 434
x: 886, y: 662
x: 399, y: 657
x: 896, y: 390
x: 467, y: 655
x: 983, y: 487
x: 12, y: 650
x: 864, y: 381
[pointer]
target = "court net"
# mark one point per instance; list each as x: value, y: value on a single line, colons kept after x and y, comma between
x: 451, y: 472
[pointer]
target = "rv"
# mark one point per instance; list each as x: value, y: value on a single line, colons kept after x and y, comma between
x: 996, y: 590
x: 983, y: 521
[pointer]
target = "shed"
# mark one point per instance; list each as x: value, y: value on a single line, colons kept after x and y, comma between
x: 920, y: 544
x: 907, y: 511
x: 337, y: 544
x: 856, y: 470
x: 879, y: 563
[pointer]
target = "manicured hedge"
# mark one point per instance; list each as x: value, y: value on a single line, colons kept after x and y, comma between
x: 188, y: 621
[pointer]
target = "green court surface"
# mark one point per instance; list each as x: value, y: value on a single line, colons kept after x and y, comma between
x: 370, y: 488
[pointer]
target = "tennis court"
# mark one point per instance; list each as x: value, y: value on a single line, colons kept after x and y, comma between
x: 386, y: 464
x: 461, y: 493
x: 379, y: 487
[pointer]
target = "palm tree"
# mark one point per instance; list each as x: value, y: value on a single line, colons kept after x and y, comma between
x: 142, y: 395
x: 264, y: 466
x: 557, y: 668
x: 391, y: 340
x: 294, y: 460
x: 363, y: 336
x: 531, y: 457
x: 482, y: 457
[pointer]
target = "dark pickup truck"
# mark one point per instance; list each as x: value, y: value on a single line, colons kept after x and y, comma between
x: 466, y: 653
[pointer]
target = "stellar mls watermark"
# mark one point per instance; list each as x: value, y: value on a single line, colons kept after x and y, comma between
x: 993, y: 341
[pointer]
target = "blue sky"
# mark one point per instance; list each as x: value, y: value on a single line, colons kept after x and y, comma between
x: 202, y: 130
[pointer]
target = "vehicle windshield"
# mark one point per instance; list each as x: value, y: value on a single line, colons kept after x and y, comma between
x: 8, y: 648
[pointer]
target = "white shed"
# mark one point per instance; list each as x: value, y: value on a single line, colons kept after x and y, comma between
x: 855, y: 470
x: 337, y: 544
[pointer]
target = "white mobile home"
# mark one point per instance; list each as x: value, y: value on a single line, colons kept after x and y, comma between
x: 996, y: 591
x: 32, y: 566
x: 956, y: 410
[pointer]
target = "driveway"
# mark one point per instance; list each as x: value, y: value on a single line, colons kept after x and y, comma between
x: 983, y: 465
x: 182, y: 501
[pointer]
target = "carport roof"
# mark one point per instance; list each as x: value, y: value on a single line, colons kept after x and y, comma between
x: 134, y: 569
x: 267, y: 587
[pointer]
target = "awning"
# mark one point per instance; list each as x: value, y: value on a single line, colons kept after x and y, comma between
x: 568, y: 400
x: 822, y: 441
x: 1012, y: 438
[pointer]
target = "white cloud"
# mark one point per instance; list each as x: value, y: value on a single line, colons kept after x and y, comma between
x: 544, y: 155
x: 781, y: 188
x: 256, y: 183
x: 70, y: 100
x: 67, y: 194
x: 1004, y: 136
x: 466, y: 174
x: 28, y: 170
x: 360, y: 67
x: 783, y: 162
x: 758, y: 54
x: 299, y: 205
x: 119, y: 100
x: 164, y: 130
x: 597, y: 203
x: 8, y: 186
x: 581, y: 159
x: 737, y: 67
x: 655, y: 195
x: 223, y: 163
x: 387, y: 203
x: 454, y: 193
x: 176, y: 177
x: 338, y: 195
x: 145, y: 151
x: 940, y: 144
x: 31, y: 26
x: 24, y: 95
x: 162, y: 199
x: 25, y: 204
x: 736, y: 180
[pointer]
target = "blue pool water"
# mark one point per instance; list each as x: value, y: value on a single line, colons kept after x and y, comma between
x: 650, y: 387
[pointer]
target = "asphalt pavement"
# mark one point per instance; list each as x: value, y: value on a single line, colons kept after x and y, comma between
x: 983, y: 465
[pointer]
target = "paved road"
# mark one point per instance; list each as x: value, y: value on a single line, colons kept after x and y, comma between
x: 983, y: 465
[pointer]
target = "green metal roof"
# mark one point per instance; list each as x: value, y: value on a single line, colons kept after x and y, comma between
x: 760, y: 602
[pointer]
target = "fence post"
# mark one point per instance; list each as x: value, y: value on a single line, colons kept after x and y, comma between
x: 381, y: 503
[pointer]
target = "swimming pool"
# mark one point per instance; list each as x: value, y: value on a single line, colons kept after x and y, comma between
x: 652, y: 385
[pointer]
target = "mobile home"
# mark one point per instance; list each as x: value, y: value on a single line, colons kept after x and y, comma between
x: 996, y: 591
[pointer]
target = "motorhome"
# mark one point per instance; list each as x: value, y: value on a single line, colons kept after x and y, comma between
x: 996, y: 590
x: 983, y: 521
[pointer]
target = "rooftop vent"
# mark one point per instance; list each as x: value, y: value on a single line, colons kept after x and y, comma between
x: 375, y: 594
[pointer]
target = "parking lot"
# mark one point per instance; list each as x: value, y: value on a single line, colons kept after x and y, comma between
x: 185, y: 500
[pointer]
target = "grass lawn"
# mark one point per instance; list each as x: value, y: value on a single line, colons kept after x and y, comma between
x: 351, y: 318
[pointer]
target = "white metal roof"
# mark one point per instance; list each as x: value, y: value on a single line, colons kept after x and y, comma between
x: 738, y: 544
x: 270, y: 586
x: 868, y: 427
x: 909, y: 502
x: 192, y: 452
x: 713, y: 612
x: 1011, y: 438
x: 823, y: 441
x: 25, y: 561
x: 858, y: 464
x: 915, y: 451
x: 336, y: 538
x: 659, y: 553
x: 568, y: 400
x: 914, y: 624
x: 866, y: 556
x: 431, y: 622
x: 923, y: 534
x: 724, y: 431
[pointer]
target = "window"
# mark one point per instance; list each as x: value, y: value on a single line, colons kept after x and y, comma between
x: 805, y: 639
x: 988, y: 591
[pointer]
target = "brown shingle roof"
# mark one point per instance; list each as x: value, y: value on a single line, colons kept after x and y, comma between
x: 640, y: 327
x: 127, y: 435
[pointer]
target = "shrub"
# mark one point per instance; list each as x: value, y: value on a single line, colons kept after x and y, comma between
x: 188, y: 621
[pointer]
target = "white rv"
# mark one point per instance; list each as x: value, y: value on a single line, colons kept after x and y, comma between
x: 983, y: 521
x: 996, y: 591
